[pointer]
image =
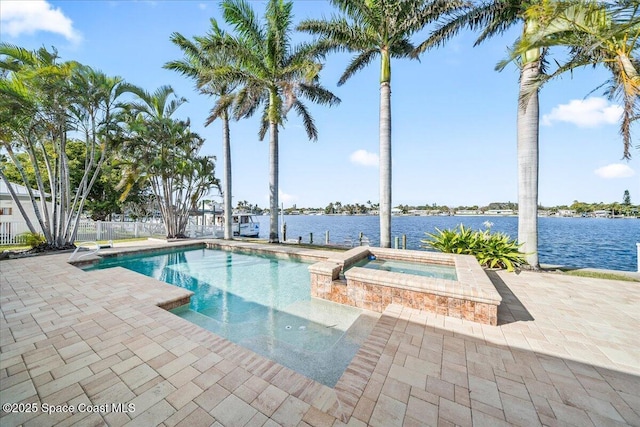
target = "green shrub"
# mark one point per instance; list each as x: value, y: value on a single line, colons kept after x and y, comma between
x: 30, y: 239
x: 490, y: 249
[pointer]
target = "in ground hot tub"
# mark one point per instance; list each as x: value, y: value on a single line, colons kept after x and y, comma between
x: 349, y: 278
x: 425, y: 269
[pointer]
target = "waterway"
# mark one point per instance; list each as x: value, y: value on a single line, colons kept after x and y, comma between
x: 573, y: 242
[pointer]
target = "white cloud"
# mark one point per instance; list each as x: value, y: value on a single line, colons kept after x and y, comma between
x: 587, y: 113
x: 285, y: 198
x: 202, y: 6
x: 615, y: 170
x: 28, y: 17
x: 364, y: 158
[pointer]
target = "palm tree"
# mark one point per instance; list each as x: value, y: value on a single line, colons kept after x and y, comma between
x: 494, y: 17
x: 597, y: 34
x: 198, y: 64
x: 42, y: 102
x: 95, y: 112
x: 372, y: 29
x: 163, y: 151
x: 271, y: 72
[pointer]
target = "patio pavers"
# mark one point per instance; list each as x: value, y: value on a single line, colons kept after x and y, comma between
x: 566, y: 352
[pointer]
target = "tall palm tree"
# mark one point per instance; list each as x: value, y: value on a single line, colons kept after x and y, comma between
x: 491, y: 18
x: 198, y: 64
x: 605, y: 34
x: 371, y: 29
x: 271, y: 72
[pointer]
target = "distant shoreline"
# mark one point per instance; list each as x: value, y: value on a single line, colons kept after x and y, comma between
x: 464, y: 215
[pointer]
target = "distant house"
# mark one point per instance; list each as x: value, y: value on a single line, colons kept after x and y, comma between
x: 602, y: 213
x: 468, y: 212
x: 566, y: 212
x: 11, y: 221
x: 499, y: 212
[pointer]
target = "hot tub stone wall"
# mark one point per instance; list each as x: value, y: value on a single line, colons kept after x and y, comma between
x: 474, y: 299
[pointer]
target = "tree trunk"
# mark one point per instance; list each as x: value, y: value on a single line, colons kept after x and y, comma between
x: 16, y: 200
x: 32, y: 197
x: 226, y: 154
x: 528, y: 163
x: 273, y: 182
x: 385, y: 152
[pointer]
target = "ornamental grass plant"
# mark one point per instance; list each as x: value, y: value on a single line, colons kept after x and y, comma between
x: 30, y: 239
x: 493, y: 250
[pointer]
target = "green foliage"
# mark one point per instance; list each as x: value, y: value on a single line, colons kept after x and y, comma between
x: 490, y: 249
x: 44, y: 104
x: 30, y: 239
x: 162, y: 152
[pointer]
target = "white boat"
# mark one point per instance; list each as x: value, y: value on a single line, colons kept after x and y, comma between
x: 245, y: 225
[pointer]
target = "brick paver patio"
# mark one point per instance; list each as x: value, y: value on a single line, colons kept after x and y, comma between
x: 566, y: 352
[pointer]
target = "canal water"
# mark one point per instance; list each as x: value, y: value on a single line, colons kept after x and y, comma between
x: 573, y: 242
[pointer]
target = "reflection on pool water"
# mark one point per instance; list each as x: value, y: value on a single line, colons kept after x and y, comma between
x: 262, y: 303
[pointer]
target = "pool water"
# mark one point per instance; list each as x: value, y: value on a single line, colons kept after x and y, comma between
x: 419, y: 269
x: 262, y: 303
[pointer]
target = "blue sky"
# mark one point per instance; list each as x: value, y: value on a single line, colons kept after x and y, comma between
x: 454, y: 117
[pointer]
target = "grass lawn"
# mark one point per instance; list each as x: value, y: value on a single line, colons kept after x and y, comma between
x: 14, y: 247
x: 600, y: 275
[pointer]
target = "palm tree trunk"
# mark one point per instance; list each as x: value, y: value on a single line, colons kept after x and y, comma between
x: 273, y: 182
x: 528, y: 164
x: 45, y: 218
x: 226, y: 154
x: 385, y: 152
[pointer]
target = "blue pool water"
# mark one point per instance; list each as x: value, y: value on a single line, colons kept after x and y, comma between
x: 262, y: 303
x: 406, y: 267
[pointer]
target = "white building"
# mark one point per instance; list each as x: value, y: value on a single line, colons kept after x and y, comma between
x: 11, y: 221
x: 566, y: 212
x: 500, y: 212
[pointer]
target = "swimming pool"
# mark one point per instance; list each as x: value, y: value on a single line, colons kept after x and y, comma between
x: 262, y: 303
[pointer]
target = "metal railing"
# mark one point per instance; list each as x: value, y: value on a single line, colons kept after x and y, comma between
x: 83, y: 245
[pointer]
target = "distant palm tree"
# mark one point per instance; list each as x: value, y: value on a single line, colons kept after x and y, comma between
x: 491, y: 18
x: 198, y: 64
x: 271, y: 72
x: 370, y: 29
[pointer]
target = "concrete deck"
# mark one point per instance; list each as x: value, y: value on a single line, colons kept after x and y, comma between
x: 566, y: 352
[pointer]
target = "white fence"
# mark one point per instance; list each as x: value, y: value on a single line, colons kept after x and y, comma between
x: 89, y: 231
x: 10, y: 232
